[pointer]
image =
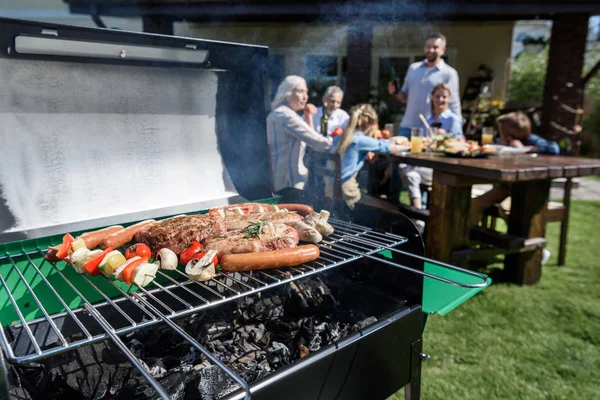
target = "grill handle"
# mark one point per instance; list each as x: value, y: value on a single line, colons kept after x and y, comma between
x: 485, y: 280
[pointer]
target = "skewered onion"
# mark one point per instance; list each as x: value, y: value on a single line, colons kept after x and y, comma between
x: 144, y: 274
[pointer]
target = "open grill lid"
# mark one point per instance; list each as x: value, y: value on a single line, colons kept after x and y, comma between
x: 100, y: 126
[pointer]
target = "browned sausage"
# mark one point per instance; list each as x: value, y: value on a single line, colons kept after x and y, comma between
x: 124, y: 236
x: 51, y: 255
x: 93, y: 239
x: 269, y: 259
x: 301, y: 209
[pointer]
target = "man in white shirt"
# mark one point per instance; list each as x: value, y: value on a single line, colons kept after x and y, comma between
x: 420, y: 80
x: 336, y: 117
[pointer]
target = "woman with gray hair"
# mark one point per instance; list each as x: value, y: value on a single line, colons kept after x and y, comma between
x: 288, y: 134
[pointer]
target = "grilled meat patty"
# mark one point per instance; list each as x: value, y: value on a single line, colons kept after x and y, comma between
x: 177, y: 232
x: 257, y: 237
x: 242, y: 221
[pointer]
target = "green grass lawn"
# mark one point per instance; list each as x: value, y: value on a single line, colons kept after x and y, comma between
x: 528, y: 342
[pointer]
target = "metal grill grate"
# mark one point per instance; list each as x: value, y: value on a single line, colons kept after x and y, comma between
x: 173, y: 294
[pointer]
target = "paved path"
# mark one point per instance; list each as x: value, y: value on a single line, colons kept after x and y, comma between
x: 587, y: 189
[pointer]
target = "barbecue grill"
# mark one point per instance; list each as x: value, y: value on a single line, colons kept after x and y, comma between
x: 102, y: 127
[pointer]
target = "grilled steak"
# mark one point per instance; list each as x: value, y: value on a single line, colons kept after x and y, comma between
x: 241, y: 221
x: 177, y: 232
x: 261, y: 236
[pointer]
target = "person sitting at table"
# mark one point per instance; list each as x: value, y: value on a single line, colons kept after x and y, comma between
x: 336, y: 117
x: 353, y: 147
x: 447, y: 122
x: 329, y: 117
x: 288, y: 134
x: 514, y: 129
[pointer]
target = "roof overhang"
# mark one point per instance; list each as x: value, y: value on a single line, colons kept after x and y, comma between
x: 334, y: 11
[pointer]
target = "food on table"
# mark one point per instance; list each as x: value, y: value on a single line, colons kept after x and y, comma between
x: 139, y: 249
x: 125, y: 235
x: 465, y: 148
x: 386, y: 134
x: 188, y: 253
x: 177, y: 232
x: 269, y: 259
x: 400, y: 140
x: 167, y: 259
x: 256, y: 237
x: 203, y: 266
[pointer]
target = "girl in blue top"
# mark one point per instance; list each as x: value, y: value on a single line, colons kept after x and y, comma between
x: 447, y: 122
x: 353, y: 147
x: 441, y: 116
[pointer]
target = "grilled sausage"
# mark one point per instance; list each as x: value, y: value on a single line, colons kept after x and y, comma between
x: 124, y: 236
x: 51, y: 255
x: 93, y: 239
x: 269, y: 259
x: 301, y: 209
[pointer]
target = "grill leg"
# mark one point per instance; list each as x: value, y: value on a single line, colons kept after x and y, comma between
x: 412, y: 391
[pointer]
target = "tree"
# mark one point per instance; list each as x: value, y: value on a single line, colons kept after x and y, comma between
x: 527, y: 77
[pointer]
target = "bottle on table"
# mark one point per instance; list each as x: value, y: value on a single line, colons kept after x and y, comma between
x: 324, y: 120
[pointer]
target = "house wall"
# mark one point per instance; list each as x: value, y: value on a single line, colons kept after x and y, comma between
x: 469, y: 44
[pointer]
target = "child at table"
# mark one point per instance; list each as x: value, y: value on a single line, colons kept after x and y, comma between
x: 514, y: 129
x: 447, y: 123
x: 353, y: 147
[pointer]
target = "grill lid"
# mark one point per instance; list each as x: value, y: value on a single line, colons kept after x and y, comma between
x: 100, y: 126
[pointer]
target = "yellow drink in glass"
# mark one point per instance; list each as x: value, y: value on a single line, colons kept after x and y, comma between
x: 487, y: 138
x: 416, y: 140
x: 487, y: 135
x: 416, y: 144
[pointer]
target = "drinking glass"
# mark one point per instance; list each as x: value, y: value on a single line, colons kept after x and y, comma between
x: 390, y: 128
x: 416, y: 140
x: 431, y: 139
x: 487, y: 135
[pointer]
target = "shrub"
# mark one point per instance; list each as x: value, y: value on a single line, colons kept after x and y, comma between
x: 527, y: 77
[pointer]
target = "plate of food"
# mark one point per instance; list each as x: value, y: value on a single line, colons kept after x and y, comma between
x: 464, y: 149
x: 402, y: 143
x: 500, y: 149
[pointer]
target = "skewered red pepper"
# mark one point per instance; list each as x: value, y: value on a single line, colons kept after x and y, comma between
x: 92, y: 265
x: 63, y: 249
x: 130, y: 269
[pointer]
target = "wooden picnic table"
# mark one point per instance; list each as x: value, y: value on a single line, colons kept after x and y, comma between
x: 530, y: 176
